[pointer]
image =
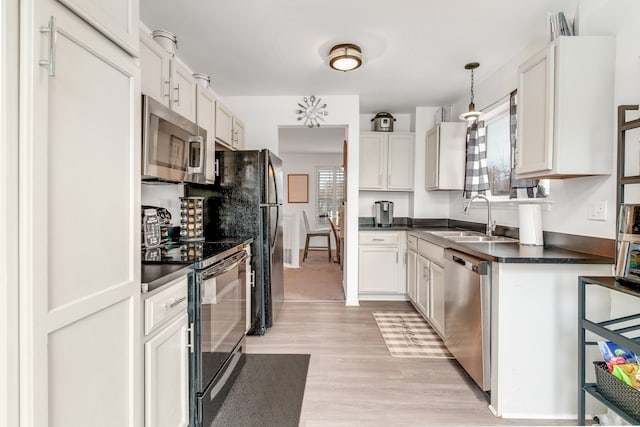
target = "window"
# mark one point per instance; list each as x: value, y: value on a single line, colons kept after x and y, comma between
x: 330, y: 191
x: 499, y: 154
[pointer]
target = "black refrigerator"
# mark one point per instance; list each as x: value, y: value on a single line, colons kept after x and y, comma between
x: 246, y: 201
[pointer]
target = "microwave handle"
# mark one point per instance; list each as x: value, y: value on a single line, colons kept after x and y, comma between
x: 199, y: 168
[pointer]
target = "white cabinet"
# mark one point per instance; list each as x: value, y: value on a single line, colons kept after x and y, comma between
x: 565, y: 98
x: 166, y: 357
x: 422, y: 285
x: 80, y: 308
x: 429, y: 281
x: 412, y: 255
x: 238, y: 134
x: 445, y: 156
x: 205, y: 118
x: 116, y: 20
x: 382, y: 265
x: 387, y: 161
x: 166, y: 79
x: 224, y: 125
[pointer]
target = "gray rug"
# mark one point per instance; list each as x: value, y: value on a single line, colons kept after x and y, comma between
x: 268, y: 392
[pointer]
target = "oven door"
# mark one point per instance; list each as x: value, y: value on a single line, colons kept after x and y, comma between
x: 172, y: 146
x: 222, y: 296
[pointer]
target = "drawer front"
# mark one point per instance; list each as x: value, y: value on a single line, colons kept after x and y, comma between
x: 434, y: 252
x: 412, y: 242
x: 379, y: 238
x: 165, y: 304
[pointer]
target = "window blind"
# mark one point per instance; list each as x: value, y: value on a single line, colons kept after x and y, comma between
x: 330, y: 181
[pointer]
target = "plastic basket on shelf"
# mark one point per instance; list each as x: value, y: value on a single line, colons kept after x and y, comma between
x: 617, y: 392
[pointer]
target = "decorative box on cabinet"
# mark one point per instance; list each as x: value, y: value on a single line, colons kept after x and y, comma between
x: 166, y: 356
x: 445, y: 156
x: 382, y: 265
x: 386, y: 161
x: 565, y: 96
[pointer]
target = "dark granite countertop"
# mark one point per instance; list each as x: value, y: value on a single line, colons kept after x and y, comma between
x: 500, y: 252
x: 154, y: 276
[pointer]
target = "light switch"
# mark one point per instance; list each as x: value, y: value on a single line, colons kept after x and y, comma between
x: 597, y: 210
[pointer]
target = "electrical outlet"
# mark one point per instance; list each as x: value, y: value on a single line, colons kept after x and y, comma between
x: 597, y: 210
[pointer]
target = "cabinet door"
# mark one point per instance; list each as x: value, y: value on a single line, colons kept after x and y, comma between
x: 412, y: 275
x: 166, y: 373
x: 116, y: 20
x: 400, y: 162
x: 373, y: 164
x: 379, y: 269
x: 205, y: 118
x: 80, y: 308
x: 154, y: 70
x: 422, y: 285
x: 432, y: 153
x: 436, y: 299
x: 224, y: 124
x: 183, y: 96
x: 238, y: 134
x: 534, y: 142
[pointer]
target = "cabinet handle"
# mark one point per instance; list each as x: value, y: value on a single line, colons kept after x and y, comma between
x: 253, y: 278
x: 396, y: 257
x: 174, y: 302
x: 377, y: 240
x: 515, y: 157
x: 217, y: 168
x: 50, y: 62
x: 177, y: 91
x: 190, y: 330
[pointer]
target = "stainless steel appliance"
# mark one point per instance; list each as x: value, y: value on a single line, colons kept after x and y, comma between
x: 217, y: 316
x: 383, y: 213
x: 246, y: 201
x: 383, y: 122
x: 467, y: 314
x: 174, y: 148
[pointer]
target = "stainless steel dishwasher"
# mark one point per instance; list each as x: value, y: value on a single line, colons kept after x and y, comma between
x: 467, y: 313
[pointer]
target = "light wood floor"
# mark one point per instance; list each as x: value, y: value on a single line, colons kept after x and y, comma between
x: 353, y: 381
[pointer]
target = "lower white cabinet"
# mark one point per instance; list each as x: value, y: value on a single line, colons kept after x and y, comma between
x: 425, y: 274
x: 382, y: 265
x: 166, y: 357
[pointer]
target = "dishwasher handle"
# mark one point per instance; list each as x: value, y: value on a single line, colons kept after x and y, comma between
x: 477, y: 265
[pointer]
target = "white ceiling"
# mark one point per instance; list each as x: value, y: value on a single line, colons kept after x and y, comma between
x: 415, y: 50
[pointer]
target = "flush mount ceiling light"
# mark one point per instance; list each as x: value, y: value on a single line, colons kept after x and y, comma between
x: 472, y: 115
x: 345, y: 57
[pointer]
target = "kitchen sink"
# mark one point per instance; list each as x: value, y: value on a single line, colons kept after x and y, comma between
x: 467, y: 236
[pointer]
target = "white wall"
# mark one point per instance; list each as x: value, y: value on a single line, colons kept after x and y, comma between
x: 166, y: 195
x: 306, y: 164
x: 264, y: 114
x: 568, y: 213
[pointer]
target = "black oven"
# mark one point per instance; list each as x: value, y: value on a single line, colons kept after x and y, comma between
x: 219, y: 313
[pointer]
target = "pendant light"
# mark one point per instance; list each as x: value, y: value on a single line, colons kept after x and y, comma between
x: 472, y: 115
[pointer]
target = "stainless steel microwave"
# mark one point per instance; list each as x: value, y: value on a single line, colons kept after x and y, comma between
x: 174, y: 148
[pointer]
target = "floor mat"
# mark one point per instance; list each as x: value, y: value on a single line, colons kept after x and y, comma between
x: 267, y: 393
x: 407, y: 334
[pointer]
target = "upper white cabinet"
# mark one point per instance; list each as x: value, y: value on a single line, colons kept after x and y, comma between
x: 445, y: 156
x: 238, y: 134
x: 81, y: 315
x: 116, y: 20
x: 386, y: 161
x: 205, y: 118
x: 224, y: 125
x: 166, y: 79
x: 565, y: 100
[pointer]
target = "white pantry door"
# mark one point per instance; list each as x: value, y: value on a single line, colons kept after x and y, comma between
x: 80, y: 347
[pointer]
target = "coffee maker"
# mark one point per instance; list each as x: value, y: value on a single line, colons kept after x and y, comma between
x: 383, y: 213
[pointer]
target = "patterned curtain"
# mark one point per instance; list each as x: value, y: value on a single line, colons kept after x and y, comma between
x: 476, y: 179
x: 520, y: 188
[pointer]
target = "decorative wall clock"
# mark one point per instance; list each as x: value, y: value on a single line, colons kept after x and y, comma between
x: 312, y: 112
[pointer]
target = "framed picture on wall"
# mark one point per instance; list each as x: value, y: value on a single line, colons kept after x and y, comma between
x: 298, y: 186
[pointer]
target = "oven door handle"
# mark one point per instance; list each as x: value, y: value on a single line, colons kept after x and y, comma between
x: 224, y: 265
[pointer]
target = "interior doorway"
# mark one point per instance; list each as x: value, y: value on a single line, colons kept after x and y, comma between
x: 313, y: 161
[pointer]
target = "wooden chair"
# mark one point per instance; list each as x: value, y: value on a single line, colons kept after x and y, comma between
x: 324, y: 232
x: 337, y: 239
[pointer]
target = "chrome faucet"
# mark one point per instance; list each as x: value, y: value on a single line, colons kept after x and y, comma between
x: 491, y: 225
